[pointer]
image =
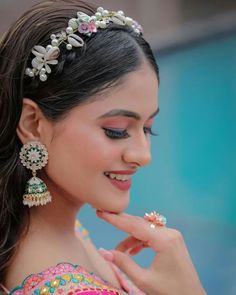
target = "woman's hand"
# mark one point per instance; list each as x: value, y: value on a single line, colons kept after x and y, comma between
x: 171, y: 272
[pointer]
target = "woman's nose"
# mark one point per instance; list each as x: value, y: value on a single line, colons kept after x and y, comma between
x: 138, y: 152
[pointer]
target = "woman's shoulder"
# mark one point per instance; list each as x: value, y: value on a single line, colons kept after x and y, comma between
x: 64, y: 278
x: 70, y: 279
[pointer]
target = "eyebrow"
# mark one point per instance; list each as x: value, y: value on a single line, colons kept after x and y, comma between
x: 126, y: 113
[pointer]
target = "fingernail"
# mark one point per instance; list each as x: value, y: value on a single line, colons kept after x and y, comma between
x: 99, y: 212
x: 108, y: 255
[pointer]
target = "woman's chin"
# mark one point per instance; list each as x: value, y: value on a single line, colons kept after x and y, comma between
x: 113, y: 209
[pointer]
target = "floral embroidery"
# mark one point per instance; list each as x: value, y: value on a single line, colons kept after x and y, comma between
x: 64, y: 278
x: 30, y: 284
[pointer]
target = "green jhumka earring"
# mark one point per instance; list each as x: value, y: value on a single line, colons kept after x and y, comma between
x: 34, y: 156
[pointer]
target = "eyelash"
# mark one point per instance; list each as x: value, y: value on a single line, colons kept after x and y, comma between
x: 122, y: 133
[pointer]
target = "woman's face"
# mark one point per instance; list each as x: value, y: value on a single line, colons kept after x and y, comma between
x: 95, y: 150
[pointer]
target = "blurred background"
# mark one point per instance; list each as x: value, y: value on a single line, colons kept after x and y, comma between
x: 192, y: 176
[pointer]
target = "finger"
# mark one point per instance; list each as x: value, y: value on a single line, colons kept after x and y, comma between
x: 135, y: 273
x: 137, y: 249
x: 131, y: 245
x: 133, y: 225
x: 127, y: 244
x: 137, y: 227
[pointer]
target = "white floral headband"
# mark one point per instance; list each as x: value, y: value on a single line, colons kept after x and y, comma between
x: 84, y: 24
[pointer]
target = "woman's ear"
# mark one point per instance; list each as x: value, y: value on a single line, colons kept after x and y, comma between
x: 32, y: 123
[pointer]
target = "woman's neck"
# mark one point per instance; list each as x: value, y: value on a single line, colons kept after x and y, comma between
x: 50, y: 239
x: 59, y: 215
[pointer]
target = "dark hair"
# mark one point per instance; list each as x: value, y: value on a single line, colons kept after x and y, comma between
x: 102, y: 63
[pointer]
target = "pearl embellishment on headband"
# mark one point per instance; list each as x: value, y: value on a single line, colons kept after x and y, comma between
x: 84, y: 24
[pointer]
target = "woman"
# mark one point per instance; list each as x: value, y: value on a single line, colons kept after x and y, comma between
x: 78, y: 98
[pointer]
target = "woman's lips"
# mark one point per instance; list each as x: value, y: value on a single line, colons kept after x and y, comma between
x: 122, y: 185
x: 120, y: 179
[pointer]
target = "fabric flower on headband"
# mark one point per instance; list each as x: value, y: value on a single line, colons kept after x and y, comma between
x: 43, y: 58
x: 84, y: 25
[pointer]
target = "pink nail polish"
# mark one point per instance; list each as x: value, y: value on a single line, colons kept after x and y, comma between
x: 108, y: 255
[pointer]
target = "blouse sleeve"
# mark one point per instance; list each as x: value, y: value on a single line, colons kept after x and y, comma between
x: 65, y: 279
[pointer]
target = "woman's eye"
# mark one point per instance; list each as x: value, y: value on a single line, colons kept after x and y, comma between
x: 116, y: 133
x: 148, y: 130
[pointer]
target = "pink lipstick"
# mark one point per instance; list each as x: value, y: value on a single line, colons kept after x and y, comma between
x: 120, y: 179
